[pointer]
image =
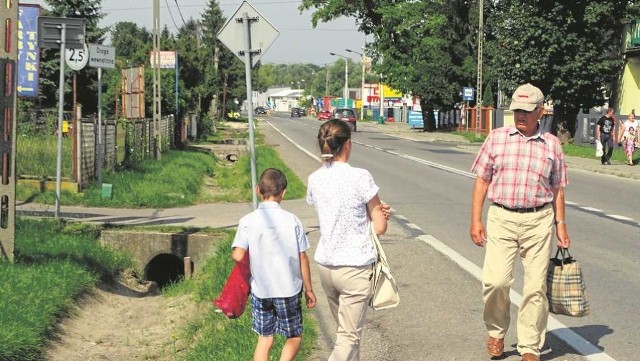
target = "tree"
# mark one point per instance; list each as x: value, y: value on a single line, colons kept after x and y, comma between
x: 132, y: 43
x: 422, y: 48
x: 220, y: 64
x: 90, y: 11
x: 569, y: 49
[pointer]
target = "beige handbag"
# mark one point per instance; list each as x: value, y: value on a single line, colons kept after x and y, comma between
x: 384, y: 291
x: 566, y: 290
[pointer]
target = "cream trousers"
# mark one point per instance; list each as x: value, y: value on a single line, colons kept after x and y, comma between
x: 528, y: 235
x: 348, y: 292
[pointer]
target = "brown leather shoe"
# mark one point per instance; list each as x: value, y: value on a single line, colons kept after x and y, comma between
x: 530, y: 357
x: 495, y: 346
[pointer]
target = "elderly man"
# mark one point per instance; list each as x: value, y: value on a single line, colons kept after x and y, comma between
x: 523, y: 173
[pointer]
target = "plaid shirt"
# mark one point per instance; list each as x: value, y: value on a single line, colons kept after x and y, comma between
x: 522, y: 171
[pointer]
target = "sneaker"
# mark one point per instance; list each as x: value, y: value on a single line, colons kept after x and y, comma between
x: 608, y: 163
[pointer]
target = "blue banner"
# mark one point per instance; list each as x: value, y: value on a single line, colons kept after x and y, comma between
x: 28, y: 51
x: 415, y: 119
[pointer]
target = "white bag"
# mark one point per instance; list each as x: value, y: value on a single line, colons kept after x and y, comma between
x: 384, y: 291
x: 599, y: 149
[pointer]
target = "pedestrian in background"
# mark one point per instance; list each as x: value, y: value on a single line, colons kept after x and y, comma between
x: 631, y: 122
x: 629, y: 143
x: 346, y: 202
x: 524, y: 174
x: 65, y: 128
x: 606, y: 133
x: 279, y: 266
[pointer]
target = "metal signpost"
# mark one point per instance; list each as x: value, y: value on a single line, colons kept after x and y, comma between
x: 467, y: 95
x: 101, y: 57
x: 60, y: 33
x: 246, y: 27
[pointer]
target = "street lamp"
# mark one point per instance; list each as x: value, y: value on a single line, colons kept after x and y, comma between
x: 362, y: 89
x: 346, y: 77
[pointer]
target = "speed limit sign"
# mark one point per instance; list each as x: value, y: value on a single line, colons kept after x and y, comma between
x: 77, y: 59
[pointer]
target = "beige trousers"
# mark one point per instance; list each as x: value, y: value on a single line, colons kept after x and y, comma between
x: 348, y: 292
x: 529, y: 236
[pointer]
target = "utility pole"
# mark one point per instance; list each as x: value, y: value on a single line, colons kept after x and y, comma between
x: 479, y: 80
x: 326, y: 82
x: 156, y: 78
x: 214, y: 98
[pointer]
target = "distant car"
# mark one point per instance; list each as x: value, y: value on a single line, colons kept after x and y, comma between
x: 260, y: 110
x: 346, y: 115
x: 303, y: 112
x: 324, y: 115
x: 296, y: 112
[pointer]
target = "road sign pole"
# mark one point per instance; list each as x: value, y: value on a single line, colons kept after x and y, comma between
x: 100, y: 145
x: 247, y: 70
x: 63, y: 32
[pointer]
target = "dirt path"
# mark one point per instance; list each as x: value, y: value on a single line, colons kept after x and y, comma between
x: 126, y: 321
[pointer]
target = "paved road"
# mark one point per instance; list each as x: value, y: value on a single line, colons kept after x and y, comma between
x: 439, y: 318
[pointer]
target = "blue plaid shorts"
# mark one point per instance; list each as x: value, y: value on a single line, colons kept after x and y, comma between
x: 277, y: 315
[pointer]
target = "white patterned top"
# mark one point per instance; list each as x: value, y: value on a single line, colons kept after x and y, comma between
x: 340, y: 193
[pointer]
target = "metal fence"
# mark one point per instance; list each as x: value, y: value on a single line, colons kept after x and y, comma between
x: 139, y: 143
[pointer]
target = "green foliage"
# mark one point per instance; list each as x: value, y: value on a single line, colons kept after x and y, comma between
x: 55, y: 263
x: 422, y: 48
x: 90, y: 11
x: 38, y: 156
x: 573, y: 56
x: 176, y: 180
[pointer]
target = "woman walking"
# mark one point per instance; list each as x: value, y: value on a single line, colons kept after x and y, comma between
x: 346, y: 202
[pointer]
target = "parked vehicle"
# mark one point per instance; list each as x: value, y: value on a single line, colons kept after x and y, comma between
x: 346, y: 115
x: 260, y: 110
x: 296, y: 112
x: 324, y: 115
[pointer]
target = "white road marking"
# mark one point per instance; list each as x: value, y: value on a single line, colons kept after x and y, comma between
x: 622, y: 218
x: 560, y: 330
x: 414, y: 226
x: 294, y: 143
x: 591, y: 209
x: 563, y: 332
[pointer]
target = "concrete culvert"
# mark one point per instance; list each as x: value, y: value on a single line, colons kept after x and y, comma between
x: 232, y: 157
x: 164, y: 269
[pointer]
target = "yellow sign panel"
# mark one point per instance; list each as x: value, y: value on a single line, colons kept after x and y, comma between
x: 391, y: 93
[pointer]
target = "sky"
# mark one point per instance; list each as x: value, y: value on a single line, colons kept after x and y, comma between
x: 297, y: 42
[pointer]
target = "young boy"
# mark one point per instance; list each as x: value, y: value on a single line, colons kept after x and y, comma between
x: 279, y: 265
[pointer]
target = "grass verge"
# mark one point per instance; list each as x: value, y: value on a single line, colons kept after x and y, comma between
x: 236, y: 180
x: 471, y: 136
x: 55, y: 263
x: 215, y: 337
x: 618, y: 155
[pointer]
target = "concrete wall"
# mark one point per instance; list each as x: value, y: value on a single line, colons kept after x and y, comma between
x: 144, y: 246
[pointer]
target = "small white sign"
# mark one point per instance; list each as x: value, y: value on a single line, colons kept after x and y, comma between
x: 166, y: 60
x: 77, y: 59
x: 101, y: 56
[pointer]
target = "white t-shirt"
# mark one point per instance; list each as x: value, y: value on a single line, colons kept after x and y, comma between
x: 627, y: 125
x: 340, y: 193
x: 274, y: 238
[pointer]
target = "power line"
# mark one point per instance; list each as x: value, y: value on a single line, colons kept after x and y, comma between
x: 170, y: 14
x: 180, y: 12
